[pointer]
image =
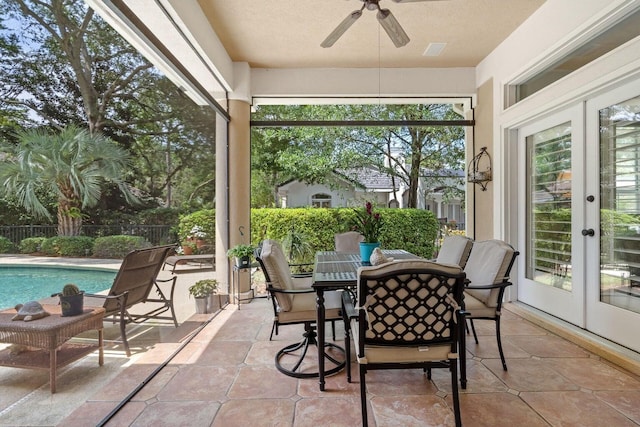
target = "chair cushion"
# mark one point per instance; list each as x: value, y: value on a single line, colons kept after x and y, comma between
x: 303, y: 308
x: 487, y: 265
x: 455, y: 250
x: 476, y: 308
x: 278, y: 271
x: 401, y: 354
x: 348, y: 242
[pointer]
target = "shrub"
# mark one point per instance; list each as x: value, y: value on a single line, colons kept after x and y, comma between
x: 6, y: 246
x: 68, y: 246
x: 414, y: 230
x: 31, y: 245
x: 118, y: 246
x: 205, y: 219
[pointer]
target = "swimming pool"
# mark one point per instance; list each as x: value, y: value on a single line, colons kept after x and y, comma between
x: 19, y: 284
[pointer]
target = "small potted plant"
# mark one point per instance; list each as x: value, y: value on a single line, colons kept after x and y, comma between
x: 198, y: 234
x: 203, y: 292
x: 242, y: 254
x: 188, y: 248
x: 71, y: 300
x: 369, y: 224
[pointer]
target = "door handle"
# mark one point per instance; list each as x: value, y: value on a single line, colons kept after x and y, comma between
x: 588, y: 232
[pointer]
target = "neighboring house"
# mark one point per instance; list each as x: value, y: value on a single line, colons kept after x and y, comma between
x: 345, y: 188
x: 350, y: 187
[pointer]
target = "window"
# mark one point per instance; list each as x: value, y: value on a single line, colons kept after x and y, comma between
x: 549, y: 206
x: 321, y: 200
x: 602, y: 43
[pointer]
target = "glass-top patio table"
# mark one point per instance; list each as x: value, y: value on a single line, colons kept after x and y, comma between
x: 338, y: 270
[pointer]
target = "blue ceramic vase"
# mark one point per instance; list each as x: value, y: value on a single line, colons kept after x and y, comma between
x: 366, y: 249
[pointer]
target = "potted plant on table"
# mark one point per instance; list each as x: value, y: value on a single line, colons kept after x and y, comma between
x: 71, y: 300
x: 369, y: 224
x: 203, y: 291
x: 242, y: 254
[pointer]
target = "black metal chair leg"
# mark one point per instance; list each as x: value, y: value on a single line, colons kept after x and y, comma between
x: 347, y: 350
x: 363, y: 395
x: 504, y: 363
x: 309, y: 339
x: 473, y: 329
x: 454, y: 389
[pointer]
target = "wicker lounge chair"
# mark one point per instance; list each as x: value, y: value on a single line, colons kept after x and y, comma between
x: 133, y: 284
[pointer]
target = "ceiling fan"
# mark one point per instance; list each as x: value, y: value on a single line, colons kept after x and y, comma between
x: 385, y: 17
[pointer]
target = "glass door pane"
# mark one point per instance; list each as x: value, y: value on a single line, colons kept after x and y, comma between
x: 620, y: 205
x: 548, y: 259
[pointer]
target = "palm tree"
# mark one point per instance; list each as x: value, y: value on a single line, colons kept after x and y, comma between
x: 72, y: 164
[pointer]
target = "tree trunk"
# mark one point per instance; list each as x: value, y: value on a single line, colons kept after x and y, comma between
x: 69, y: 226
x: 414, y: 177
x: 69, y: 218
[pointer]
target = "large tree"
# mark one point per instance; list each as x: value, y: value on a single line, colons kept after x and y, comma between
x: 407, y: 153
x: 71, y: 67
x: 73, y: 164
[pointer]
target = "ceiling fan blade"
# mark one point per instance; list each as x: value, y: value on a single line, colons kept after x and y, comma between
x: 341, y: 28
x: 392, y: 27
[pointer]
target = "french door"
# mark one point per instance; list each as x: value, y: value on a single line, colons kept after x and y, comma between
x: 613, y: 253
x: 580, y: 222
x: 552, y: 215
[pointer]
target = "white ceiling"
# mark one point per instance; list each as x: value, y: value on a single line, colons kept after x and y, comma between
x: 288, y: 33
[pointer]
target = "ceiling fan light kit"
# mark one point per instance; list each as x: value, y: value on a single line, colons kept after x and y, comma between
x: 390, y: 24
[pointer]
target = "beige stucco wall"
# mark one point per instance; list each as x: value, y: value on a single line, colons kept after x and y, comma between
x: 239, y: 182
x: 480, y: 206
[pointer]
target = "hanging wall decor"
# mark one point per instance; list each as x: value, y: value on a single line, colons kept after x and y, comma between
x: 479, y: 170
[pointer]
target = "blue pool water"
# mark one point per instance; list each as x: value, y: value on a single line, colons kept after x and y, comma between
x: 21, y: 284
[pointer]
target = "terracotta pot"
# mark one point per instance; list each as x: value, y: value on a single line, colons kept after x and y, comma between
x: 187, y: 250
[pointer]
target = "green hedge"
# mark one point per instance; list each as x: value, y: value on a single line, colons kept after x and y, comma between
x: 118, y: 246
x: 31, y: 245
x: 414, y: 230
x: 78, y: 246
x: 6, y: 246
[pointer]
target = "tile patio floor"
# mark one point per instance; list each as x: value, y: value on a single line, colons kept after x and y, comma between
x: 225, y: 376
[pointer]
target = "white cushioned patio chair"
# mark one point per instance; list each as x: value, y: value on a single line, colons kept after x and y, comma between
x: 487, y: 270
x: 455, y: 250
x: 406, y: 315
x: 348, y: 242
x: 294, y: 302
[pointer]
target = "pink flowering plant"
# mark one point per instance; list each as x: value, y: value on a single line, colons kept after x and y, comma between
x: 368, y: 223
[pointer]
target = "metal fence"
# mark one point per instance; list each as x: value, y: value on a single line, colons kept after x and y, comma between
x: 156, y: 234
